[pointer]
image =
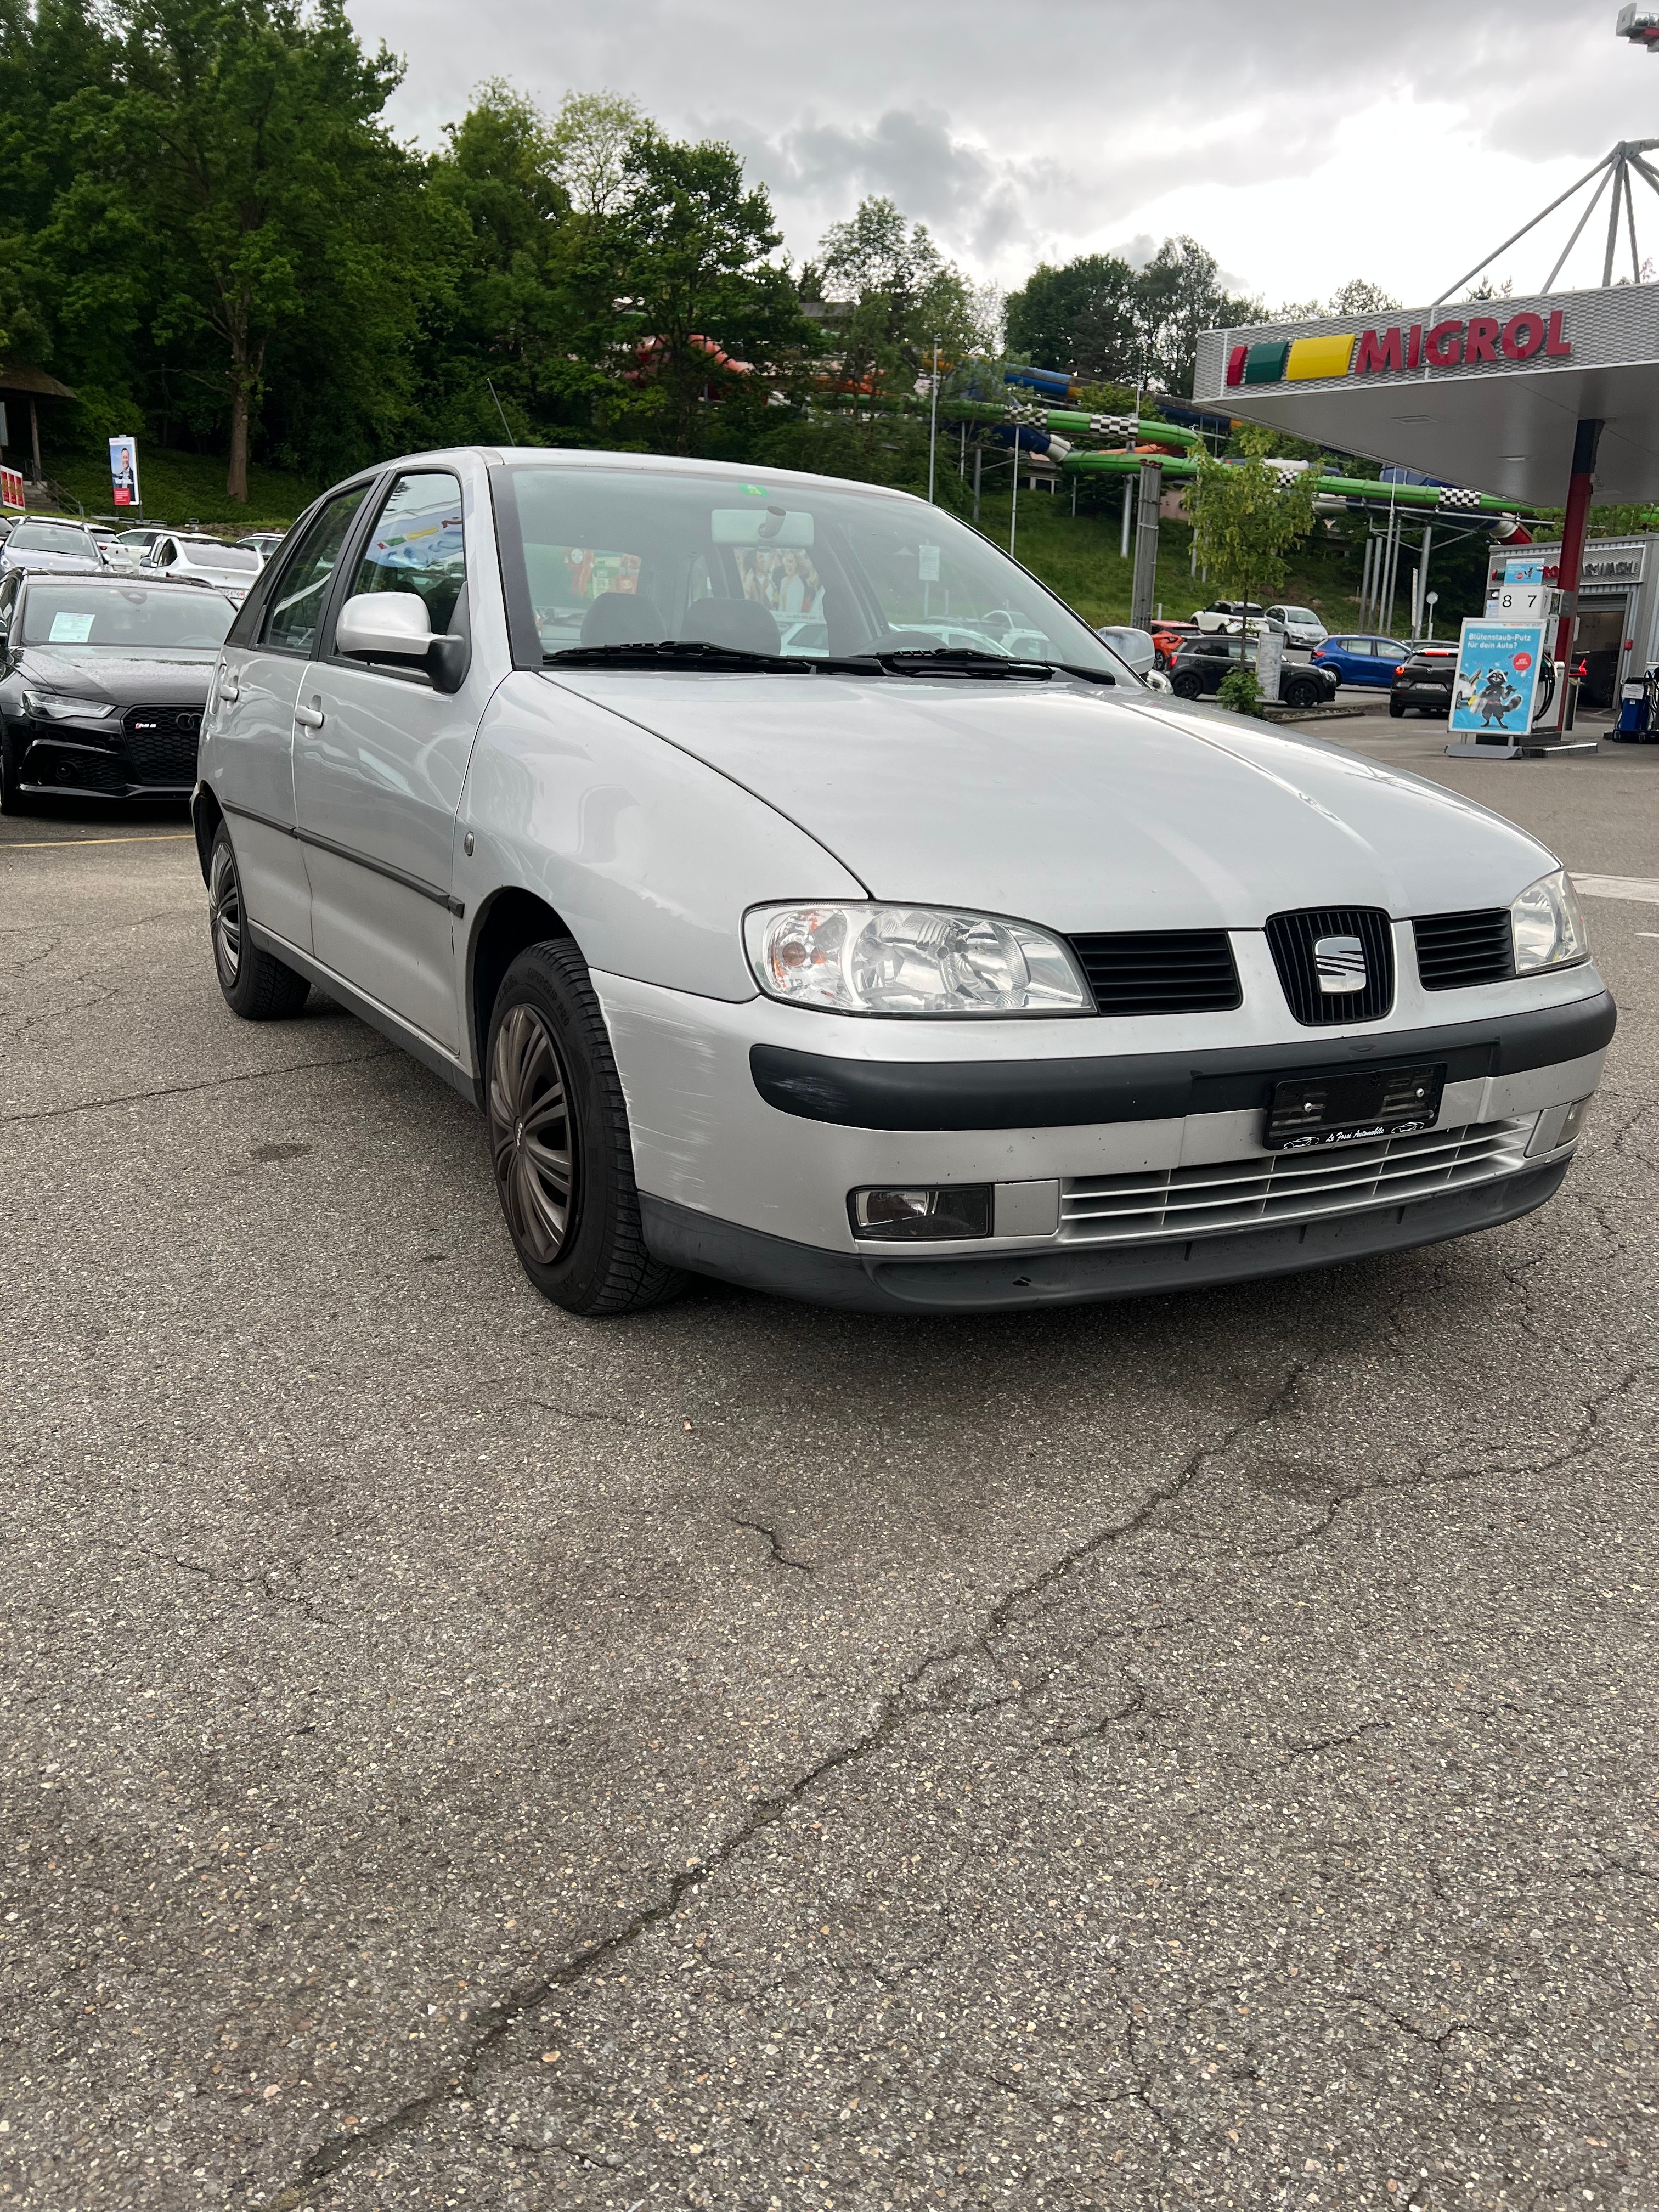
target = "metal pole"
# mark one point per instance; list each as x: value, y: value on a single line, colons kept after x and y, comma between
x: 1366, y: 567
x: 1613, y: 217
x: 1470, y: 275
x: 933, y: 422
x: 1596, y: 199
x: 1013, y: 511
x: 1142, y: 597
x: 1423, y: 574
x: 34, y: 438
x: 979, y: 458
x: 1630, y: 217
x: 1580, y: 487
x: 1128, y: 508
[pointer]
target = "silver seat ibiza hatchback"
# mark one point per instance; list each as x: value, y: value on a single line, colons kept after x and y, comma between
x: 809, y: 899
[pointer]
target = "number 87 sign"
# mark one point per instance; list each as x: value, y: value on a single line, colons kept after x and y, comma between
x: 1497, y: 678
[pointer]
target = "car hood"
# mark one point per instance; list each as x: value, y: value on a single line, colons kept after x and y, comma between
x: 26, y: 556
x: 129, y: 682
x: 1071, y: 806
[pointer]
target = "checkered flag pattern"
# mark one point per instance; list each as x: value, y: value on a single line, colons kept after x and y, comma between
x: 1456, y: 498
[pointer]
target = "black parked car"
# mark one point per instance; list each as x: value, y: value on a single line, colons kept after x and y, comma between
x: 104, y: 678
x: 1201, y: 662
x: 1423, y: 682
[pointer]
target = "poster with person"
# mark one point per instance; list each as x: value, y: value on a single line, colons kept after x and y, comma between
x: 124, y: 472
x: 1497, y: 678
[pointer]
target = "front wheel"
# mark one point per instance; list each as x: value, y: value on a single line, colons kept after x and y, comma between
x: 255, y: 985
x: 1302, y: 696
x: 11, y: 782
x: 1186, y: 686
x: 559, y: 1141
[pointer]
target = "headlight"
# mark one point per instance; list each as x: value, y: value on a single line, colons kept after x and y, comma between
x: 1548, y: 925
x: 911, y: 960
x: 59, y: 707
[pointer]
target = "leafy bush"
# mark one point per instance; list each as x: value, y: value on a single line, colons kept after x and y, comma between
x: 1239, y: 692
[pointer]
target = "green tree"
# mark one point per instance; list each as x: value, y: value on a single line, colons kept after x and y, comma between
x: 248, y: 135
x: 905, y: 297
x: 1079, y: 319
x: 588, y: 147
x: 1245, y: 521
x: 1178, y: 295
x: 694, y: 241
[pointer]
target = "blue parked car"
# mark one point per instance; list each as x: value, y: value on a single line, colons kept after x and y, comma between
x: 1362, y: 659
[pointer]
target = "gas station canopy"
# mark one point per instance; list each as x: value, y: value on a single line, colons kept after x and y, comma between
x: 1485, y: 393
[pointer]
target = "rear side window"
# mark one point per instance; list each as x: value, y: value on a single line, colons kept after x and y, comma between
x: 296, y: 605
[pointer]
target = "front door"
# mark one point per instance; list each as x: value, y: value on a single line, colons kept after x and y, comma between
x: 254, y: 697
x: 380, y: 757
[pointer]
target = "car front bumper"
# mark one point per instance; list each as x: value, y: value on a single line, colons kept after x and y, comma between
x: 63, y: 761
x: 1126, y: 1156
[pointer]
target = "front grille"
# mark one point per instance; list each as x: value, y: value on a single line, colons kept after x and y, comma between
x: 1293, y: 937
x: 1456, y: 950
x: 1166, y: 971
x: 162, y: 743
x: 1168, y: 1202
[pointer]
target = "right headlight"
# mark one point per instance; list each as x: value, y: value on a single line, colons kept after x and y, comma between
x: 911, y: 960
x: 1547, y: 924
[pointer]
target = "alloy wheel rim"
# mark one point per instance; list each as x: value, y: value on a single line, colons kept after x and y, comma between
x: 225, y: 906
x: 532, y: 1140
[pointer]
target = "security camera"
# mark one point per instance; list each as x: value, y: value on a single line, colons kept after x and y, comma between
x: 1640, y: 25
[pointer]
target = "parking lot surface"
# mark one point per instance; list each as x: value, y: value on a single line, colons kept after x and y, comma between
x: 1193, y: 1752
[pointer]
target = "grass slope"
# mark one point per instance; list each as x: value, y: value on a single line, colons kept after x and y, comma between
x: 184, y: 487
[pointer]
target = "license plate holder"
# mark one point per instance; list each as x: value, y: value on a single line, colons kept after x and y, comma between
x: 1312, y: 1113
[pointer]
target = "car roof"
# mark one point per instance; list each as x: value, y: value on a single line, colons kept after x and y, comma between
x: 119, y: 579
x: 590, y: 456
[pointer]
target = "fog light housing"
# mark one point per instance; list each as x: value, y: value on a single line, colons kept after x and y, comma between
x: 1573, y: 1121
x: 909, y: 1213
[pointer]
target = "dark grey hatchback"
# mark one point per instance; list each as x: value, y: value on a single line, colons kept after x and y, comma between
x: 103, y: 682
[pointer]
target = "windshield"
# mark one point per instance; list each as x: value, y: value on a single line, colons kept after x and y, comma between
x: 1298, y: 614
x: 134, y: 618
x: 50, y: 538
x: 208, y: 553
x: 771, y: 566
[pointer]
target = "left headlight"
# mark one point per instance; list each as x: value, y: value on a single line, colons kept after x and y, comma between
x: 1548, y: 925
x: 911, y: 960
x: 59, y: 707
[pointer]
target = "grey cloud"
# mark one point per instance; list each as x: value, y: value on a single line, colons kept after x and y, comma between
x: 1013, y: 137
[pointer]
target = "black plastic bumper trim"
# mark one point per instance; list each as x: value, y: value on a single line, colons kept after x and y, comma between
x: 1054, y: 1094
x: 1076, y: 1274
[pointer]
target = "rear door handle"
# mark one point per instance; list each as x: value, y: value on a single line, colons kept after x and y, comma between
x: 310, y: 718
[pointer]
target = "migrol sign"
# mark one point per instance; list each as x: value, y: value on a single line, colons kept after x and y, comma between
x: 1454, y: 342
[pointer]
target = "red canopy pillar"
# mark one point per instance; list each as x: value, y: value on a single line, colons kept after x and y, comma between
x: 1579, y: 488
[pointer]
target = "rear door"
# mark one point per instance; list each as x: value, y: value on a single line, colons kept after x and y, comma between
x: 380, y: 758
x: 252, y: 749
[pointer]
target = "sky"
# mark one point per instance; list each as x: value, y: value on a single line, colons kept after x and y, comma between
x: 1302, y: 142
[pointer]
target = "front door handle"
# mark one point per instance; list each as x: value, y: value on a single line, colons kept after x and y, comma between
x: 310, y: 718
x: 228, y: 691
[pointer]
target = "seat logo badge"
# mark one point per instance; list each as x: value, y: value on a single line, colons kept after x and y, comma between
x: 1341, y: 964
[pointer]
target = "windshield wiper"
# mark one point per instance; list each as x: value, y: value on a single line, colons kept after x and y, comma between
x: 960, y: 660
x: 697, y: 653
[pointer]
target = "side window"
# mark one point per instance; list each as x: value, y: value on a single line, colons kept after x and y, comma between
x: 8, y: 592
x: 296, y: 604
x: 418, y: 546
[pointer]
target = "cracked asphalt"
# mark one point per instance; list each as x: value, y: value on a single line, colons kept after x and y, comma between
x: 1198, y: 1752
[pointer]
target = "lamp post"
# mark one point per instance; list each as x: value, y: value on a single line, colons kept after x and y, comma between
x: 933, y: 422
x: 1429, y: 602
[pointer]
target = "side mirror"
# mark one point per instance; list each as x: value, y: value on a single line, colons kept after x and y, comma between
x: 395, y: 626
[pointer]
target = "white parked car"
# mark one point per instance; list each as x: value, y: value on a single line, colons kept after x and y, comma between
x: 229, y: 568
x: 1302, y: 626
x: 887, y: 976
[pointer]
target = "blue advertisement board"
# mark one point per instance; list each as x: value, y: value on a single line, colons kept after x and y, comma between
x: 1498, y: 665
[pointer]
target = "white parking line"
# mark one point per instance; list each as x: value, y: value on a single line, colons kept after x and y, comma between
x: 1643, y: 888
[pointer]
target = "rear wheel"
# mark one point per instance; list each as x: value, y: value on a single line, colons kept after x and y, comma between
x: 559, y: 1141
x: 1302, y: 696
x: 1186, y: 685
x: 1396, y: 710
x: 255, y: 985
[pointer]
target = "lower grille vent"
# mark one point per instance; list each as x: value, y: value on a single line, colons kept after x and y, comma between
x: 1169, y: 971
x: 1195, y: 1201
x: 1336, y: 963
x: 1455, y: 951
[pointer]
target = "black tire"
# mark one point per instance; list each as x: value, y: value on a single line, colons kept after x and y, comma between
x: 12, y: 801
x: 1396, y: 710
x: 1302, y: 696
x: 255, y: 985
x: 570, y: 1200
x: 1186, y: 685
